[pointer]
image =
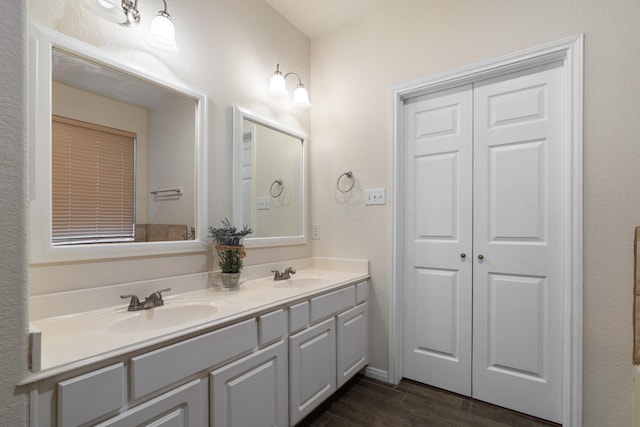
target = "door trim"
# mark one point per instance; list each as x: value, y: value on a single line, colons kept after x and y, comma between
x: 570, y: 52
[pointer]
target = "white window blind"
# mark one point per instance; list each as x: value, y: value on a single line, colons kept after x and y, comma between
x: 93, y: 183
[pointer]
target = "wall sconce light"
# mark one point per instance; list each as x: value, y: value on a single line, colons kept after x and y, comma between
x: 162, y: 33
x: 278, y: 88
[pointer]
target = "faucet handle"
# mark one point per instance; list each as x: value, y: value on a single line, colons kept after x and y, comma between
x: 134, y: 303
x: 157, y: 295
x: 291, y: 270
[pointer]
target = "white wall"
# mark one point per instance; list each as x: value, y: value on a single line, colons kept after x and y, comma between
x: 13, y: 212
x: 353, y: 69
x: 228, y: 50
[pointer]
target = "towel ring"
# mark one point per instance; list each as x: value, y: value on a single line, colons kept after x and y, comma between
x: 347, y: 175
x: 280, y: 187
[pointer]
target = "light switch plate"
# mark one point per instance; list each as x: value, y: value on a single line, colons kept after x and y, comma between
x: 315, y: 231
x: 375, y: 196
x: 263, y: 203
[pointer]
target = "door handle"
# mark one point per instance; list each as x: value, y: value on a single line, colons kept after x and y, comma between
x: 480, y: 257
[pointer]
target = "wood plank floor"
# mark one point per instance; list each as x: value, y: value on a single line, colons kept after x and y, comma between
x: 370, y: 403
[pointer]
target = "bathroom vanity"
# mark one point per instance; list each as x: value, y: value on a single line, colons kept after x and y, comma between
x: 266, y: 355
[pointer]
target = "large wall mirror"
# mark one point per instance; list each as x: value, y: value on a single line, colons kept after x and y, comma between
x: 269, y: 184
x: 117, y: 155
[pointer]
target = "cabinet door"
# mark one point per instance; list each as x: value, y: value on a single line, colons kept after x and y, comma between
x: 180, y: 407
x: 353, y: 342
x: 251, y: 392
x: 312, y: 368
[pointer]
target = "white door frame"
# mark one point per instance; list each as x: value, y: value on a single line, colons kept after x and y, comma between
x: 570, y: 52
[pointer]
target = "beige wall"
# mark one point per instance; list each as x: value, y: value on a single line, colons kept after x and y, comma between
x: 353, y: 69
x: 14, y: 212
x: 228, y: 50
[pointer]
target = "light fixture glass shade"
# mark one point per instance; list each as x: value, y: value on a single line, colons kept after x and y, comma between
x: 110, y: 10
x: 301, y: 98
x: 162, y: 33
x: 277, y: 86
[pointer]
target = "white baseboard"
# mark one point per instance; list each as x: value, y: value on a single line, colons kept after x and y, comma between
x: 377, y: 374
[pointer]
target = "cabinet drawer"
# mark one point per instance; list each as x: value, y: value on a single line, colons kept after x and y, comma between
x: 271, y: 326
x: 87, y: 397
x: 298, y: 316
x: 362, y: 292
x: 160, y: 368
x: 332, y: 303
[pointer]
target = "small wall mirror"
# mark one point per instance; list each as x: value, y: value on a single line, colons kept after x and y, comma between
x: 117, y: 154
x: 269, y: 184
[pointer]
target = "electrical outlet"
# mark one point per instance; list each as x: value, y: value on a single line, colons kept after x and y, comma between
x: 263, y: 203
x: 374, y: 196
x: 315, y: 231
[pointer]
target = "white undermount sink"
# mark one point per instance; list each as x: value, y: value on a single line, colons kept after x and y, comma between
x: 163, y: 317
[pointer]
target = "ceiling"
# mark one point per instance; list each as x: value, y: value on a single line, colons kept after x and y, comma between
x: 317, y: 17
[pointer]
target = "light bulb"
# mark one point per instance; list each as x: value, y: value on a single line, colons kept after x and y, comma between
x: 277, y: 86
x: 106, y: 4
x: 301, y: 97
x: 162, y: 33
x: 110, y: 10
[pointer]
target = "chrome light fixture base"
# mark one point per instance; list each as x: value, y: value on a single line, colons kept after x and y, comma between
x: 162, y: 33
x: 278, y: 89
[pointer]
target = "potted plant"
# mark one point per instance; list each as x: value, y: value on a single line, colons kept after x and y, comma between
x: 230, y: 251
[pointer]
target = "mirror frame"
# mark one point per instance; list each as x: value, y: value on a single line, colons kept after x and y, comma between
x: 239, y: 115
x: 41, y: 42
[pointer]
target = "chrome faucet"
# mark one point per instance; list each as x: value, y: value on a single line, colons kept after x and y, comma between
x: 153, y: 300
x: 286, y: 274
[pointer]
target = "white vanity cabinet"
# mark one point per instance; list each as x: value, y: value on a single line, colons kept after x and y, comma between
x: 269, y: 370
x: 253, y: 391
x: 182, y: 406
x: 352, y: 336
x: 330, y: 350
x: 312, y: 368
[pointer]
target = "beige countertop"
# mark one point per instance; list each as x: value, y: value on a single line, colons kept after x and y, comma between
x: 74, y: 340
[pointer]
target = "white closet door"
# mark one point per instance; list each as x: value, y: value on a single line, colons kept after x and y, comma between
x: 437, y: 235
x: 519, y: 203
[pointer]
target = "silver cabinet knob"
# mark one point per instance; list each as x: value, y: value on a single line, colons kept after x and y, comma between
x: 480, y: 257
x: 463, y: 255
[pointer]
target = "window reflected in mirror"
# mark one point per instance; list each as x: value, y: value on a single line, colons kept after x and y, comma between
x: 161, y: 155
x: 92, y: 183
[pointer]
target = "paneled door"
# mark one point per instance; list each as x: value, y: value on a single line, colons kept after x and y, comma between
x: 484, y: 274
x: 518, y: 272
x: 438, y: 239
